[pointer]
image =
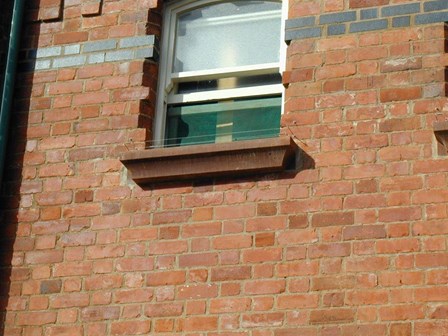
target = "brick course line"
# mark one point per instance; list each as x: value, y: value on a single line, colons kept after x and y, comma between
x: 366, y: 20
x: 78, y: 54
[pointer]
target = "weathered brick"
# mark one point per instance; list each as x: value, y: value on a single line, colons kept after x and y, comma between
x: 166, y: 278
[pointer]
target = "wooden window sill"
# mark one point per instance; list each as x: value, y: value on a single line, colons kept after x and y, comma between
x: 232, y: 159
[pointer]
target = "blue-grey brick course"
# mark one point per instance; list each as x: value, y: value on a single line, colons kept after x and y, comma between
x: 337, y: 17
x: 369, y: 14
x: 431, y: 18
x: 96, y: 58
x: 357, y: 27
x: 48, y: 52
x: 42, y: 65
x: 100, y: 45
x: 401, y: 21
x: 303, y: 33
x: 137, y: 41
x: 300, y: 22
x: 72, y: 49
x: 432, y: 6
x: 400, y: 9
x: 69, y: 61
x: 119, y: 55
x: 144, y: 53
x: 336, y: 29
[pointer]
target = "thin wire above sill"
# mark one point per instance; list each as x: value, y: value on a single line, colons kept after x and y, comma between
x: 232, y: 159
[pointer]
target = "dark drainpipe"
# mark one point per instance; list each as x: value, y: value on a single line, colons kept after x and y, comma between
x: 10, y: 72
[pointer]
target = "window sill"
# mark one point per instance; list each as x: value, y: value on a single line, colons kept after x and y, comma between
x: 231, y: 159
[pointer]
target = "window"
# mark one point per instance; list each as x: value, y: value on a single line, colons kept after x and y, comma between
x: 219, y: 78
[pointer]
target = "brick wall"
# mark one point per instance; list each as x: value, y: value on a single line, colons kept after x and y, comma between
x: 356, y: 245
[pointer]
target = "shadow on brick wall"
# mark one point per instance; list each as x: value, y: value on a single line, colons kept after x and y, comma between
x: 13, y: 207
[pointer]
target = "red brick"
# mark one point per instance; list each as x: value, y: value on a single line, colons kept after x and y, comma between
x: 130, y: 327
x: 399, y: 214
x: 36, y: 318
x: 202, y: 230
x: 168, y: 247
x: 70, y: 300
x: 297, y: 237
x: 264, y: 239
x: 229, y: 305
x: 170, y: 217
x: 133, y: 295
x: 90, y: 314
x: 335, y: 71
x: 262, y: 255
x: 431, y: 260
x: 298, y: 301
x: 329, y: 250
x: 364, y: 232
x: 402, y: 124
x: 65, y: 87
x: 265, y: 287
x: 356, y: 298
x: 266, y: 223
x: 297, y: 269
x: 44, y: 257
x: 166, y: 278
x: 135, y: 264
x: 433, y: 328
x: 201, y: 323
x: 198, y: 259
x: 72, y: 269
x: 70, y: 37
x: 108, y: 251
x: 332, y: 219
x: 103, y: 281
x: 367, y: 3
x: 138, y: 234
x: 397, y: 246
x: 262, y: 320
x: 235, y: 211
x: 163, y: 309
x: 65, y: 331
x: 367, y: 264
x: 336, y: 315
x: 231, y: 273
x: 401, y: 312
x: 232, y: 242
x: 205, y: 199
x: 197, y: 291
x: 77, y: 239
x: 401, y: 64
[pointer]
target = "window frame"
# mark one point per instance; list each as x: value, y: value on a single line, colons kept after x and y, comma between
x: 167, y: 79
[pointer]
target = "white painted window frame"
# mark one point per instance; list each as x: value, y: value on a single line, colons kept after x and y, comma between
x: 167, y: 79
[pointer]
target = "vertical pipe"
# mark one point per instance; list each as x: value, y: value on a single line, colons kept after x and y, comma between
x: 10, y: 72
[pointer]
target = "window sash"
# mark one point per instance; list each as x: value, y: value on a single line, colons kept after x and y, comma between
x: 167, y: 78
x: 253, y: 91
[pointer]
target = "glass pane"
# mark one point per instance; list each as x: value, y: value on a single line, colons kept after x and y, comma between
x: 223, y: 121
x: 228, y: 34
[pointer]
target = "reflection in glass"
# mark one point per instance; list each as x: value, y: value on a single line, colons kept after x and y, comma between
x: 223, y: 121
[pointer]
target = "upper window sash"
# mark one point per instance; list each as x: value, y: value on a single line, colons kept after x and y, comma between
x: 227, y: 34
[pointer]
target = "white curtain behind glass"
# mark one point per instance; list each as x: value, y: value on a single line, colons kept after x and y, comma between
x: 229, y: 34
